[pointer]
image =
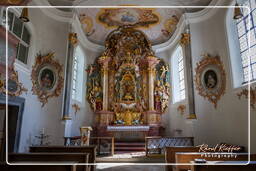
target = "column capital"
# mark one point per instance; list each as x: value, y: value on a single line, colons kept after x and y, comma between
x: 103, y: 61
x: 152, y: 61
x: 185, y: 38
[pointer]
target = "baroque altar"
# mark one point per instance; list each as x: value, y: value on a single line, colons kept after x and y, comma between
x: 128, y: 85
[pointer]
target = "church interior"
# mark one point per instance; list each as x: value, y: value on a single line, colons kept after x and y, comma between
x: 125, y: 84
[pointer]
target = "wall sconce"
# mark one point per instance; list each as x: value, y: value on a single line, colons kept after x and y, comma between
x: 24, y: 15
x: 237, y: 12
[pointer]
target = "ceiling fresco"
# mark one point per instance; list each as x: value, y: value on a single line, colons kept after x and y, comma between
x: 157, y: 24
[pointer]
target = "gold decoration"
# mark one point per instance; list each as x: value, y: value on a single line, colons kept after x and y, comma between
x: 15, y: 88
x: 185, y: 38
x: 73, y: 38
x: 84, y: 19
x: 76, y: 107
x: 181, y: 109
x: 46, y: 77
x: 66, y: 118
x: 170, y: 25
x: 246, y: 93
x: 192, y: 116
x: 210, y: 78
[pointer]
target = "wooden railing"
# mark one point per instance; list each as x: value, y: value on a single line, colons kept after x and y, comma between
x: 157, y: 145
x: 105, y: 145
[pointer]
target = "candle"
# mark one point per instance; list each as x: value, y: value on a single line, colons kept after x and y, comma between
x: 43, y: 131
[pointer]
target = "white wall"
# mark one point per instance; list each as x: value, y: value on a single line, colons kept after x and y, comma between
x: 229, y: 121
x: 48, y: 35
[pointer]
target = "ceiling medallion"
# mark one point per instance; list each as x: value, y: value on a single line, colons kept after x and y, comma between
x: 14, y: 88
x: 210, y: 78
x: 137, y: 17
x: 46, y: 77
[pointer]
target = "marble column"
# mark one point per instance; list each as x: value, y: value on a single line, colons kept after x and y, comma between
x: 152, y: 62
x: 104, y: 61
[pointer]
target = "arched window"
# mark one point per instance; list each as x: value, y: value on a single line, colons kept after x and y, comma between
x: 246, y: 29
x: 19, y: 29
x: 179, y: 91
x: 78, y: 74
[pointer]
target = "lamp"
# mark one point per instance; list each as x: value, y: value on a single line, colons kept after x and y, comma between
x: 24, y: 15
x: 237, y: 12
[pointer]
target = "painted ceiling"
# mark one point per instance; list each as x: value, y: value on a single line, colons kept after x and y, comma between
x: 158, y: 24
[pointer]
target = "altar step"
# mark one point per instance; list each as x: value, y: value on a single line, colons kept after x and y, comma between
x: 126, y: 147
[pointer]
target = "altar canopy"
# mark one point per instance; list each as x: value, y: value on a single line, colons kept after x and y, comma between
x: 128, y: 85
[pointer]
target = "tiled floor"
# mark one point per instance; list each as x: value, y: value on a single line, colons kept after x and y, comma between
x: 119, y: 167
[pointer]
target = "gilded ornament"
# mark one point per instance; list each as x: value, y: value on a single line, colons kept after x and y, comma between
x: 170, y: 25
x: 185, y: 38
x: 86, y: 20
x: 46, y: 77
x: 252, y: 94
x: 15, y: 88
x: 181, y: 109
x: 73, y: 38
x: 76, y: 107
x: 210, y: 78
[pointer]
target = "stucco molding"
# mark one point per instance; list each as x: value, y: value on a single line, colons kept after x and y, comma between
x: 187, y: 18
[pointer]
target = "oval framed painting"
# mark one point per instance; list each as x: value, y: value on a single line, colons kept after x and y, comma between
x: 46, y: 77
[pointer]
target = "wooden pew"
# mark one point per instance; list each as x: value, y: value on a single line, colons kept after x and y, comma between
x: 171, y: 151
x: 224, y: 166
x: 39, y: 168
x: 188, y: 157
x: 50, y: 158
x: 91, y: 150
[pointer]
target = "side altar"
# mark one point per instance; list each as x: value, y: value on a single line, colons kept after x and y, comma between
x: 128, y: 86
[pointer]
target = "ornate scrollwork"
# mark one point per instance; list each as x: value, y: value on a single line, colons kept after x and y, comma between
x: 246, y: 93
x: 46, y: 77
x: 210, y: 78
x: 14, y: 88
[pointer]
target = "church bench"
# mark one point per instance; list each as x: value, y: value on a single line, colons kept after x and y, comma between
x: 224, y: 166
x: 91, y: 150
x: 50, y: 158
x: 158, y: 144
x: 171, y: 151
x: 188, y: 157
x: 100, y: 142
x: 45, y: 167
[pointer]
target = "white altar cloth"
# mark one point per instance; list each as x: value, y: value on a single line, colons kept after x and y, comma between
x: 128, y: 128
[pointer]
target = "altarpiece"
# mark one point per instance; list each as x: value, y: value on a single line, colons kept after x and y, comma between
x: 128, y: 86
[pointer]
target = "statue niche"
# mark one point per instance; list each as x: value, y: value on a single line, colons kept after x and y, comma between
x: 128, y: 85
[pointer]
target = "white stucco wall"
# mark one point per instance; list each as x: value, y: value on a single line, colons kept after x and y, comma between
x: 48, y: 35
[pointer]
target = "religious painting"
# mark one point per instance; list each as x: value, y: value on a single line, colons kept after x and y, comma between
x: 210, y: 78
x: 139, y: 17
x: 46, y: 77
x: 14, y: 88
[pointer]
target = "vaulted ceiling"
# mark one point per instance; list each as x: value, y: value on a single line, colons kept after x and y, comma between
x: 158, y: 24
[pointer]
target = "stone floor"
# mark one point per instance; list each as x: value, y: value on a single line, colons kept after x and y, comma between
x: 119, y: 167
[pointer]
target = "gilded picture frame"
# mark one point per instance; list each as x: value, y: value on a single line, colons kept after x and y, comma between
x: 46, y: 77
x: 210, y: 78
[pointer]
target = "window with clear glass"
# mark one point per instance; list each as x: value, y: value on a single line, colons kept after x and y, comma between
x: 178, y: 75
x: 246, y: 28
x: 17, y: 28
x: 78, y: 74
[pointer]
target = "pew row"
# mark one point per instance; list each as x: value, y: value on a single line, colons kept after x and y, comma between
x: 171, y: 151
x: 190, y: 157
x: 91, y: 150
x: 50, y: 159
x: 224, y: 166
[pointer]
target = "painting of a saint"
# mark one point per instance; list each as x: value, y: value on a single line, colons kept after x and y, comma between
x: 47, y: 79
x: 210, y: 79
